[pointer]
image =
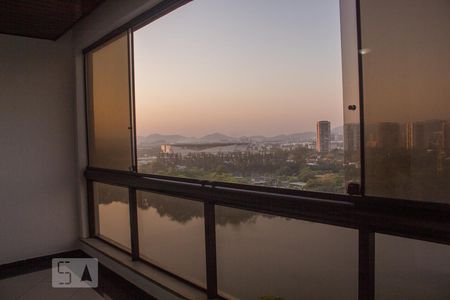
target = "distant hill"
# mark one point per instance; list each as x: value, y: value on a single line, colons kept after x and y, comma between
x: 161, y: 139
x: 158, y: 139
x: 217, y: 137
x: 295, y: 137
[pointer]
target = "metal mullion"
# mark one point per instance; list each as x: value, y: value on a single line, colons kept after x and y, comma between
x: 361, y: 101
x: 366, y: 240
x: 366, y: 265
x: 132, y: 117
x: 210, y: 248
x: 91, y: 208
x: 134, y: 236
x: 87, y: 105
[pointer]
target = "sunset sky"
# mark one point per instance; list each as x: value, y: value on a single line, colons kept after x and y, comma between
x: 252, y: 67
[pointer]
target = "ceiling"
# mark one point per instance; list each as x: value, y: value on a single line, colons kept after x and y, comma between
x: 44, y: 19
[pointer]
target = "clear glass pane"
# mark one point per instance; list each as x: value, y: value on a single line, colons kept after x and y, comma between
x: 406, y: 62
x: 350, y: 89
x: 112, y: 214
x: 172, y: 235
x: 267, y: 257
x: 235, y: 95
x: 411, y: 269
x: 109, y: 105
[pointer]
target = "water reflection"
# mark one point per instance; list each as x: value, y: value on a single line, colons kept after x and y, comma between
x: 259, y: 256
x: 112, y: 214
x: 268, y: 257
x: 278, y: 258
x: 179, y: 211
x: 172, y: 234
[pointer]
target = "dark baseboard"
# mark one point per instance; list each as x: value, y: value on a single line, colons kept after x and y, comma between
x: 35, y: 264
x: 110, y: 286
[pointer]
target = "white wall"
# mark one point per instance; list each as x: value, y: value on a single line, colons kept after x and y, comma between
x: 42, y: 135
x: 38, y: 206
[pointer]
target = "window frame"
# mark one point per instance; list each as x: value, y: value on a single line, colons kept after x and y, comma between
x: 161, y: 9
x: 167, y: 6
x: 428, y: 221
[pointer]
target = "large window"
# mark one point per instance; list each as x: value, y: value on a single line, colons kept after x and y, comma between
x: 246, y: 92
x: 219, y: 123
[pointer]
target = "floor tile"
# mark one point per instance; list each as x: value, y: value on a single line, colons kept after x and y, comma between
x: 86, y: 294
x: 38, y: 285
x: 14, y: 287
x: 44, y: 290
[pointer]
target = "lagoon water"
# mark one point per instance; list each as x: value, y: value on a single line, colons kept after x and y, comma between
x: 261, y: 255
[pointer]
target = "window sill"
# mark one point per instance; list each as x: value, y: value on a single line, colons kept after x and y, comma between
x: 163, y: 282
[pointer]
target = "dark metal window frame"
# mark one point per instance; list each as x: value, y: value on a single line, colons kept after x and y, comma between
x: 428, y: 221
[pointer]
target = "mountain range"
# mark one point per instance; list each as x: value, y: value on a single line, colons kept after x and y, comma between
x: 157, y: 139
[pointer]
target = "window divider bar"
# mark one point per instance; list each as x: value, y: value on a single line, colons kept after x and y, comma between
x: 362, y: 142
x: 210, y: 250
x: 86, y: 106
x: 91, y: 208
x: 132, y: 128
x: 134, y: 235
x: 366, y: 256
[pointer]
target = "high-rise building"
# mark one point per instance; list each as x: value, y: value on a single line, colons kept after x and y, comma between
x: 447, y: 136
x: 389, y: 136
x: 415, y: 136
x: 433, y: 130
x: 409, y: 134
x: 431, y: 134
x: 351, y: 137
x: 323, y: 136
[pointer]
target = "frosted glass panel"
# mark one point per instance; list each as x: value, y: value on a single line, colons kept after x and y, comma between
x: 406, y: 63
x: 109, y: 106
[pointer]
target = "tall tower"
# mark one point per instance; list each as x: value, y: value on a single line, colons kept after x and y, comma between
x: 323, y: 136
x: 351, y: 137
x: 409, y: 133
x: 447, y: 136
x: 389, y: 136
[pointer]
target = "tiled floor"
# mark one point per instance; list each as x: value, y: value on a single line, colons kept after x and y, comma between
x: 38, y: 285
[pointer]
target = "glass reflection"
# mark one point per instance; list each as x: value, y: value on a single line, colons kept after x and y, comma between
x: 406, y: 66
